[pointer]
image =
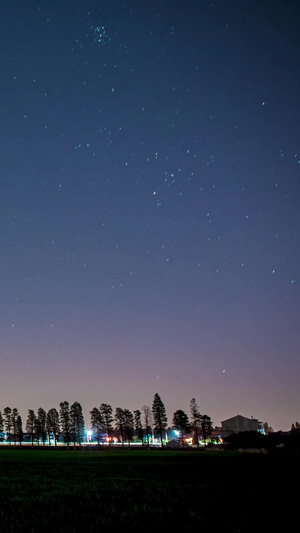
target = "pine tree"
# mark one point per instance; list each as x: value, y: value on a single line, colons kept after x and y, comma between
x: 19, y: 429
x: 41, y: 424
x: 97, y: 423
x: 120, y: 422
x: 195, y: 420
x: 30, y: 424
x: 64, y: 419
x: 15, y: 424
x: 206, y: 426
x: 1, y: 424
x: 7, y: 414
x: 128, y: 425
x: 181, y: 423
x: 107, y: 417
x: 76, y: 423
x: 147, y: 421
x: 138, y: 424
x: 159, y: 416
x: 37, y: 430
x: 52, y: 424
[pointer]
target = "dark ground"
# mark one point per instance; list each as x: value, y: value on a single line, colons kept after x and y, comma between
x: 71, y: 491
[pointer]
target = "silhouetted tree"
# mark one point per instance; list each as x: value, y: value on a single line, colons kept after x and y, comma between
x: 138, y: 424
x: 267, y: 429
x: 14, y: 424
x: 97, y: 423
x: 76, y: 423
x: 64, y: 419
x: 120, y: 422
x: 159, y: 416
x: 296, y: 424
x: 37, y: 430
x: 52, y: 423
x: 128, y: 425
x: 1, y: 423
x: 41, y: 424
x: 107, y: 417
x: 206, y: 426
x: 48, y: 428
x: 19, y: 429
x: 195, y: 420
x: 30, y: 424
x: 7, y: 414
x: 181, y: 423
x: 147, y: 420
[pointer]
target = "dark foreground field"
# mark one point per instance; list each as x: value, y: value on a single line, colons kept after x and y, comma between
x: 66, y: 491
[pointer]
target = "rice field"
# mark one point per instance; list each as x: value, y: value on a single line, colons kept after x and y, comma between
x: 140, y: 490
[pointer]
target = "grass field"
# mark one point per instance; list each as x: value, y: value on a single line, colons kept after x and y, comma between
x: 71, y: 491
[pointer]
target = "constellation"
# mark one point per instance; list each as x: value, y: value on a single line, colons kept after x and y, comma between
x: 100, y: 36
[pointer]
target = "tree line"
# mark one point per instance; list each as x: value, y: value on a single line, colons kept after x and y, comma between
x: 68, y: 423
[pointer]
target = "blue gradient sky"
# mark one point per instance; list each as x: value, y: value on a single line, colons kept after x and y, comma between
x: 149, y: 189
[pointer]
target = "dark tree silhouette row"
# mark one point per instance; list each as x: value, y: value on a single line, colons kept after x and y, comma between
x: 68, y: 423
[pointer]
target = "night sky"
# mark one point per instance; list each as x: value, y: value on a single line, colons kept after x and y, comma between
x: 150, y: 191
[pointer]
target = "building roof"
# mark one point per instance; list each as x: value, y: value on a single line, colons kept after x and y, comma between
x: 239, y: 417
